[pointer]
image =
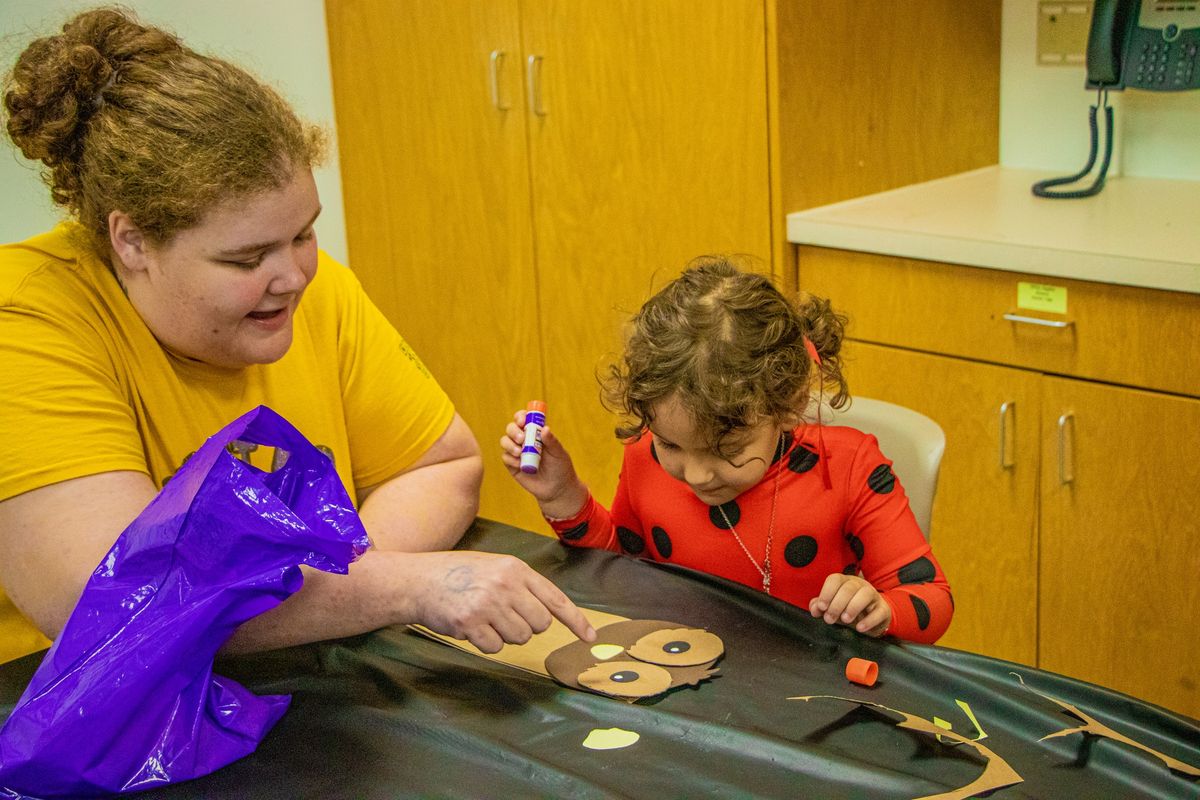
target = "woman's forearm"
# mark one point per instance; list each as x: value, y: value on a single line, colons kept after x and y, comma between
x: 486, y: 598
x: 426, y: 509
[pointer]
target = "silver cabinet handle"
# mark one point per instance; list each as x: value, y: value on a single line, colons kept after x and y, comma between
x: 533, y: 77
x: 497, y: 61
x: 1047, y: 323
x: 1065, y: 443
x: 1007, y: 409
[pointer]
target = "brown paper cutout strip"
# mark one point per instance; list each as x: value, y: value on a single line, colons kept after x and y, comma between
x: 654, y: 643
x: 530, y: 656
x: 1096, y: 728
x: 996, y: 772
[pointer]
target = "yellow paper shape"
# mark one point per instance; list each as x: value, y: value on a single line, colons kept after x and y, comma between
x: 610, y: 739
x: 606, y: 651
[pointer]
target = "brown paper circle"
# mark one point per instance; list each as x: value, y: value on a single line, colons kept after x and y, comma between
x: 698, y: 647
x: 651, y: 679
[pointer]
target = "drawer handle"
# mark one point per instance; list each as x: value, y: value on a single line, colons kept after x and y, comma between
x: 1047, y: 323
x: 1065, y: 444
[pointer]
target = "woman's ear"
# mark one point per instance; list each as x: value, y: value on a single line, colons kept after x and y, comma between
x: 128, y: 242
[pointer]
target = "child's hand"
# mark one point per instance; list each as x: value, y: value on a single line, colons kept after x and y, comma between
x: 852, y: 600
x: 557, y: 488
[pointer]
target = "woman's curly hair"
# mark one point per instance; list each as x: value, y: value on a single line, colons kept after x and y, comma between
x: 731, y: 347
x: 125, y: 117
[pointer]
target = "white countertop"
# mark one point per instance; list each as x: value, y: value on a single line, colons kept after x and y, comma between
x: 1137, y: 231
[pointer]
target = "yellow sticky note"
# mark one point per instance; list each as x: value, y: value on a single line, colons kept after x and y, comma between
x: 1042, y: 297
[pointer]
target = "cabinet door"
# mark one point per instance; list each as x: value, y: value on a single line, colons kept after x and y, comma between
x: 649, y: 147
x: 437, y: 201
x: 984, y: 528
x: 1121, y: 540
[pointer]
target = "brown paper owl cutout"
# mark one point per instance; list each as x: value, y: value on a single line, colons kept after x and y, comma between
x: 637, y: 658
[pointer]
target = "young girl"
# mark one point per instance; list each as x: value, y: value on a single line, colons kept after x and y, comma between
x: 722, y: 474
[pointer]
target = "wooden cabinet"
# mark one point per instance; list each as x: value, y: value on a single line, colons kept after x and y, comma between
x: 985, y: 522
x: 1067, y: 516
x: 1120, y: 554
x: 519, y: 177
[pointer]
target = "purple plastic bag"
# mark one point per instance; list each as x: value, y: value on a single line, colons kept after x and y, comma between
x: 126, y: 698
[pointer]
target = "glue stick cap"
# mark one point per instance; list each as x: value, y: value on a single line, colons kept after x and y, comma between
x: 536, y: 405
x: 862, y: 671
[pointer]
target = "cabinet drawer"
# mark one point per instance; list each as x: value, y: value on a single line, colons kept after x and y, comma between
x: 1119, y: 334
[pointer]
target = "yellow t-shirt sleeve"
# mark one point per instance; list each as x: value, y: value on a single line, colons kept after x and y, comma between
x: 68, y: 418
x: 395, y: 410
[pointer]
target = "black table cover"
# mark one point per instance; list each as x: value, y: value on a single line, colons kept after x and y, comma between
x: 393, y: 714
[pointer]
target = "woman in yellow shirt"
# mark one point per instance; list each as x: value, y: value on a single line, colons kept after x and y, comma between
x: 186, y: 290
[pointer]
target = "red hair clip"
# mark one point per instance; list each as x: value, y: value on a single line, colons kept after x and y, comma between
x: 812, y: 351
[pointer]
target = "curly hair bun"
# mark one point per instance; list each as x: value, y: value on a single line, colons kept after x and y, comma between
x: 59, y: 83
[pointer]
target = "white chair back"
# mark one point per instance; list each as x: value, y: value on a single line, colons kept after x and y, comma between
x: 912, y: 441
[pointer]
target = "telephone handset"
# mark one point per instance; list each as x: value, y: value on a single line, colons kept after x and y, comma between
x: 1133, y: 44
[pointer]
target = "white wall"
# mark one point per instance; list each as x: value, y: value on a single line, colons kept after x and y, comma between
x: 1043, y: 113
x: 281, y: 41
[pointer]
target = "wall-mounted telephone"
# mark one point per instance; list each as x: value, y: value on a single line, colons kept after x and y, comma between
x: 1133, y: 44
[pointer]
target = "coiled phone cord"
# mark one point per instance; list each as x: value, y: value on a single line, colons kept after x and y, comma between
x: 1042, y: 188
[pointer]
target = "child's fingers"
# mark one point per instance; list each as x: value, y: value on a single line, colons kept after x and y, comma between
x: 860, y: 601
x: 552, y: 444
x: 876, y: 619
x: 515, y: 433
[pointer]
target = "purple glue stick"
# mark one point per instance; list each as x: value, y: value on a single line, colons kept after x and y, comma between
x: 535, y: 420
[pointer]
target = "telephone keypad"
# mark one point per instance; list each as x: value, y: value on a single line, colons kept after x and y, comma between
x: 1160, y: 64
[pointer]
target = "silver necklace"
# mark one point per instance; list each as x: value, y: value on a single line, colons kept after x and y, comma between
x: 765, y: 569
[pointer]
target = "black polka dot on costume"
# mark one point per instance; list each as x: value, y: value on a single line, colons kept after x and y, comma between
x: 919, y: 571
x: 851, y: 568
x: 654, y: 453
x: 731, y: 510
x: 881, y: 480
x: 856, y: 545
x: 922, y: 609
x: 800, y: 551
x: 631, y: 541
x: 662, y: 542
x: 802, y: 459
x: 788, y: 438
x: 574, y: 532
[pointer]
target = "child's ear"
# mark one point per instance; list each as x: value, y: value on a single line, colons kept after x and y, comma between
x: 790, y: 420
x: 128, y: 242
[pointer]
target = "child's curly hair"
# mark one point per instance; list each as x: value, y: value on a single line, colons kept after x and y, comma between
x: 731, y: 346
